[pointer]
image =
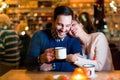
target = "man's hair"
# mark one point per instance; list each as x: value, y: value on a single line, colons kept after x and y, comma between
x: 62, y: 10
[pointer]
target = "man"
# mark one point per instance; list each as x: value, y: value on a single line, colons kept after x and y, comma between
x: 9, y: 46
x: 41, y: 52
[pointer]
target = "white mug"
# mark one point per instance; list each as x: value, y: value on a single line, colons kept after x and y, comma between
x: 60, y: 53
x: 90, y: 70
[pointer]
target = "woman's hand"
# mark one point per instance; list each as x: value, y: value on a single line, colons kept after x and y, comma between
x: 73, y: 57
x: 48, y: 55
x: 70, y: 58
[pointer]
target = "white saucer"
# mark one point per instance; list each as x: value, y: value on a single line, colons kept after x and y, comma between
x: 56, y: 76
x: 95, y: 75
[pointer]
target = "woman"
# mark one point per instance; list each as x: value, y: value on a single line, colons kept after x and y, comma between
x: 95, y: 46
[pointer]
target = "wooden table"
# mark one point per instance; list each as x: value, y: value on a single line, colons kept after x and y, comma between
x: 26, y: 75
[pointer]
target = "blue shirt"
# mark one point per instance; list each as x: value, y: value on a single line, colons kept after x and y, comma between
x: 42, y: 40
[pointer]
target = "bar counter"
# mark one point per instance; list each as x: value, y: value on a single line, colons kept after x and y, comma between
x: 23, y: 74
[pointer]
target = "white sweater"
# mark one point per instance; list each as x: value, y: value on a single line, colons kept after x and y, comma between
x: 100, y: 48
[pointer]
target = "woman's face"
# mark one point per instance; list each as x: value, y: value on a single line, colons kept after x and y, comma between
x: 75, y: 24
x: 75, y: 29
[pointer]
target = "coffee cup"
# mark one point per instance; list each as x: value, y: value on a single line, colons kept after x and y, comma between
x: 60, y: 53
x: 90, y: 70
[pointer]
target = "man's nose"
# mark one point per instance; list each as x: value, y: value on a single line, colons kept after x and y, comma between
x: 63, y: 28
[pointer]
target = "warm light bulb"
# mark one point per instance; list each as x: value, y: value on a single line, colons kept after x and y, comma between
x: 23, y: 33
x: 79, y: 74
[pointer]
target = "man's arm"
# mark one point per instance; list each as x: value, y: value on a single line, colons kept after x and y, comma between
x: 37, y: 45
x: 75, y: 47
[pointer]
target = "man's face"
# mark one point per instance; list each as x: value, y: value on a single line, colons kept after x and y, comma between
x: 62, y: 25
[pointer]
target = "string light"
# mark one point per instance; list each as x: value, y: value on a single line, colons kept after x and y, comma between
x: 3, y: 5
x: 113, y: 6
x: 22, y: 33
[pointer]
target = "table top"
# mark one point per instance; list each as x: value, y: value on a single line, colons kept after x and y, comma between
x: 22, y: 74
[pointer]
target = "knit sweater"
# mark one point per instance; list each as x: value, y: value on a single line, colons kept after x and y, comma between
x: 9, y: 47
x: 99, y: 53
x: 42, y: 40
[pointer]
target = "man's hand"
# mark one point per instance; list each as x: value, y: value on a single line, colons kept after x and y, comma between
x: 48, y: 55
x: 46, y: 67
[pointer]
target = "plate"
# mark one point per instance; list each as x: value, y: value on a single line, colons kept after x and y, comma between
x: 95, y: 75
x: 56, y: 76
x: 60, y: 77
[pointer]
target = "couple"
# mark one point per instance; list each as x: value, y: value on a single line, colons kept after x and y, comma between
x: 41, y: 51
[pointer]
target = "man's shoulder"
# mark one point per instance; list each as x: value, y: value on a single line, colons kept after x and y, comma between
x: 43, y: 32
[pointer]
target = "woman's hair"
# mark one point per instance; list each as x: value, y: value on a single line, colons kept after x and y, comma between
x: 62, y: 10
x: 85, y: 19
x: 75, y: 17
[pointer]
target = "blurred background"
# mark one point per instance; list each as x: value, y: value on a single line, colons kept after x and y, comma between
x: 33, y: 15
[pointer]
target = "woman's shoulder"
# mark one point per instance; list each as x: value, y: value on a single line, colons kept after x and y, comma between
x: 97, y: 34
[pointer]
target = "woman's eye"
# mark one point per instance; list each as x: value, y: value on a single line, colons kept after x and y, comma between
x: 73, y: 24
x: 68, y: 25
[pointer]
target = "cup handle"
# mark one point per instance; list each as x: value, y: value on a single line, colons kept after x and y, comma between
x: 89, y: 72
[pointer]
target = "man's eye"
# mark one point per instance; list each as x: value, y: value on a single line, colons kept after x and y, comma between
x: 59, y: 24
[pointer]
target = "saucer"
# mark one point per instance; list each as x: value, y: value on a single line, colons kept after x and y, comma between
x: 60, y: 77
x: 56, y: 76
x: 95, y: 75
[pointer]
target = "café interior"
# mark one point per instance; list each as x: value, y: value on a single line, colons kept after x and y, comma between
x: 35, y: 14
